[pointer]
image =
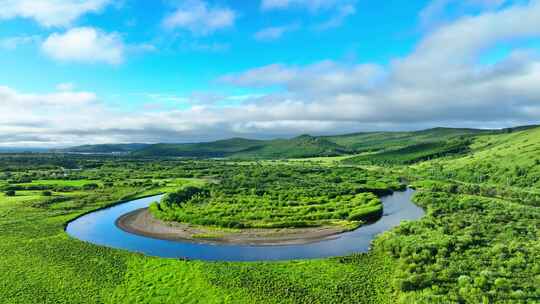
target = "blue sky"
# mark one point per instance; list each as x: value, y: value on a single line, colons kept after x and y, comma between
x: 93, y: 71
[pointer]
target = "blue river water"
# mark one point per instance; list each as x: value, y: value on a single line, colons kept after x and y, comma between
x: 100, y: 228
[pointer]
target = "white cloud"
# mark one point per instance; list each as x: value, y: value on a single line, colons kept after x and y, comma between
x: 324, y: 76
x: 200, y: 18
x: 274, y: 32
x: 454, y: 47
x: 439, y: 82
x: 86, y: 45
x: 50, y: 12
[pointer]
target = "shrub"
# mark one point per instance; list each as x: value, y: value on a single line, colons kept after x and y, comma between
x: 90, y: 186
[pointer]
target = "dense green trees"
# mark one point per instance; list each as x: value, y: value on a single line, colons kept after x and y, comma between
x: 277, y: 196
x: 467, y: 249
x: 414, y: 153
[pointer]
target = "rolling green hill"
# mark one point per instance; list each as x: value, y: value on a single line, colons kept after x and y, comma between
x: 376, y: 141
x: 510, y: 157
x: 298, y: 147
x: 302, y: 146
x: 414, y: 153
x: 310, y: 146
x: 221, y: 148
x: 386, y: 147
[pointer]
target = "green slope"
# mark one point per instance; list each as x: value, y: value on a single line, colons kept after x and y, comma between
x: 302, y: 146
x: 298, y: 147
x: 414, y: 153
x: 376, y: 141
x: 221, y: 148
x: 509, y: 158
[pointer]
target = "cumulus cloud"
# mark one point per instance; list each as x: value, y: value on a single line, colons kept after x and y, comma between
x: 454, y: 47
x: 325, y: 76
x: 50, y: 12
x: 200, y: 18
x: 86, y: 45
x: 440, y: 81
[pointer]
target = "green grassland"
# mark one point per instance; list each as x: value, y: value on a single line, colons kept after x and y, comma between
x: 478, y: 242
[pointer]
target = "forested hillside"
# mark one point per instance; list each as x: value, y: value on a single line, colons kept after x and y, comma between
x: 302, y: 146
x: 221, y: 148
x: 384, y: 141
x: 478, y: 242
x: 508, y: 159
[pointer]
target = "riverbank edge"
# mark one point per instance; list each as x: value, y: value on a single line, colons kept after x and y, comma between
x: 141, y: 222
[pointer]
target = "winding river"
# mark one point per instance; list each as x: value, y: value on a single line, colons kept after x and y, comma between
x: 99, y: 228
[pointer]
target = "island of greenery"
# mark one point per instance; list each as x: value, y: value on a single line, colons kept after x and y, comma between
x: 274, y: 200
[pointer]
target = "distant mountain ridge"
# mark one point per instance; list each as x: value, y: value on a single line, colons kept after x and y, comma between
x: 298, y: 147
x: 301, y: 146
x: 105, y: 148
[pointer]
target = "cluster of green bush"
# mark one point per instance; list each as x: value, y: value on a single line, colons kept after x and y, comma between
x: 513, y: 194
x: 414, y: 153
x: 279, y: 196
x: 468, y: 249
